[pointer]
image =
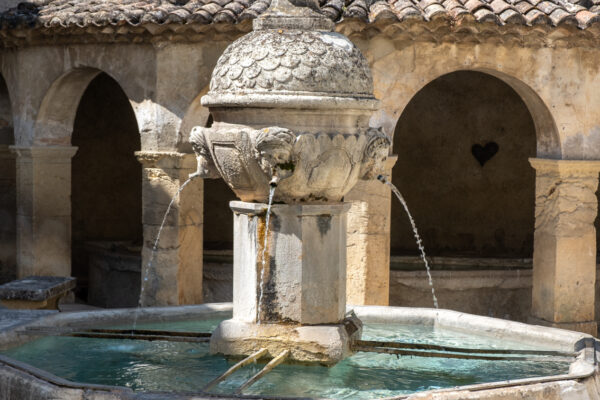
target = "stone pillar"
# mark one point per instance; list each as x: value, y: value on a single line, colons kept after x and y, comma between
x: 368, y: 242
x: 305, y: 263
x: 44, y: 210
x: 301, y: 306
x: 8, y: 214
x: 564, y: 256
x: 172, y: 275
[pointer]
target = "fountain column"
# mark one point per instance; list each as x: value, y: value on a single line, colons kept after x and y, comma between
x: 299, y: 299
x: 174, y: 270
x: 44, y: 210
x: 564, y: 256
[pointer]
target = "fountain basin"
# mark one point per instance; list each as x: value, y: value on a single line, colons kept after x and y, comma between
x: 20, y: 380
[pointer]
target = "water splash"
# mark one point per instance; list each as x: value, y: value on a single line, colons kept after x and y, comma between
x: 263, y: 255
x: 416, y: 233
x: 155, y: 247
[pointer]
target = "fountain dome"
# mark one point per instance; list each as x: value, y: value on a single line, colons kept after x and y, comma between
x: 292, y: 68
x: 291, y: 101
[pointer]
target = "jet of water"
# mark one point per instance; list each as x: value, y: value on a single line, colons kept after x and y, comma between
x: 155, y: 246
x: 263, y: 256
x: 416, y: 233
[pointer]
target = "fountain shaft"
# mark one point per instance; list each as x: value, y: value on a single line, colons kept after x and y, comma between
x: 304, y: 299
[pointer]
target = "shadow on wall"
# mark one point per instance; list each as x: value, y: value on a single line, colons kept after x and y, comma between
x: 8, y: 191
x: 106, y: 181
x: 463, y: 144
x: 218, y: 217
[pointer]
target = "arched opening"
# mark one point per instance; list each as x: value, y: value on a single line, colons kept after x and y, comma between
x: 463, y: 144
x: 8, y: 191
x: 218, y: 239
x: 106, y: 197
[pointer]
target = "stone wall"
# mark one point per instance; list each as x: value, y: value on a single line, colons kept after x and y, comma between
x: 461, y: 207
x: 106, y: 178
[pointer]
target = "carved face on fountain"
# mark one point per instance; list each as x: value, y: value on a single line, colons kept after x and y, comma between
x: 291, y: 99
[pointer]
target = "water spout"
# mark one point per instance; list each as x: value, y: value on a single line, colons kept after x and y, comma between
x: 156, y: 241
x: 272, y: 187
x: 382, y: 179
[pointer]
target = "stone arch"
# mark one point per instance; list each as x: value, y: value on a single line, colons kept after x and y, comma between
x: 548, y: 138
x: 8, y: 189
x: 464, y: 206
x: 195, y: 115
x: 56, y: 115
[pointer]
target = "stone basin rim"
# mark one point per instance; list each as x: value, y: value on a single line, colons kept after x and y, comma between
x: 565, y: 340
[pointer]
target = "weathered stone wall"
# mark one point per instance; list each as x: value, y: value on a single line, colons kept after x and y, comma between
x: 106, y: 178
x: 558, y: 84
x: 460, y: 206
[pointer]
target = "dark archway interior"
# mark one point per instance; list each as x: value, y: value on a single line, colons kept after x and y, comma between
x: 106, y: 196
x: 218, y: 218
x: 463, y: 144
x: 8, y: 192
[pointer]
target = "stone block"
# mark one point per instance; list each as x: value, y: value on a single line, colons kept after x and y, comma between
x: 305, y: 262
x: 324, y: 344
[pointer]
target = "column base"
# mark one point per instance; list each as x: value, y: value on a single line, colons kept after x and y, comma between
x: 322, y: 344
x: 589, y: 327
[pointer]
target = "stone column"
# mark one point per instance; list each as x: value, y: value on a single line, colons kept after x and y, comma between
x: 305, y: 263
x: 8, y: 214
x: 44, y: 210
x: 564, y: 256
x: 297, y: 301
x: 368, y: 242
x: 172, y: 275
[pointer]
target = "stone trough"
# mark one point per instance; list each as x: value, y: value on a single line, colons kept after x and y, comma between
x: 22, y: 381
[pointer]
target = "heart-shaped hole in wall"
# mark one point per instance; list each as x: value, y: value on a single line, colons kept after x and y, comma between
x: 484, y: 153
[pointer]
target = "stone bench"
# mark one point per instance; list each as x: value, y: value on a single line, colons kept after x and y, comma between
x: 35, y: 292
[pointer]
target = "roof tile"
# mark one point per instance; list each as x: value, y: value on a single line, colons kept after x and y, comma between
x: 54, y: 14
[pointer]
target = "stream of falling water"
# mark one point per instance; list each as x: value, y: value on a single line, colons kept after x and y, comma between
x: 264, y: 252
x: 155, y: 248
x: 416, y: 233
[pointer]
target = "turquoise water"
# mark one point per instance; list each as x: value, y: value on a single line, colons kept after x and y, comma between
x: 173, y: 366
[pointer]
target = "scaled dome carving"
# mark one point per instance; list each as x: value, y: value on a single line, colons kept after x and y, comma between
x: 283, y: 61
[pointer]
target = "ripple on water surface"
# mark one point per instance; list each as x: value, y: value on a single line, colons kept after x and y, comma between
x: 175, y: 366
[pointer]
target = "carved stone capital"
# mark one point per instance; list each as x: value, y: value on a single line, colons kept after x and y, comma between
x: 566, y: 203
x: 47, y: 153
x: 166, y: 159
x: 566, y: 168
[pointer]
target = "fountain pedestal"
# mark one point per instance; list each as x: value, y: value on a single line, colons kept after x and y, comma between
x: 303, y: 284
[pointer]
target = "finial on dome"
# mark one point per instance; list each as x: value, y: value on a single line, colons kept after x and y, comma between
x: 294, y: 14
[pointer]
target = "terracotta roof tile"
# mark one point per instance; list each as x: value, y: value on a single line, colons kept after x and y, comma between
x: 55, y: 14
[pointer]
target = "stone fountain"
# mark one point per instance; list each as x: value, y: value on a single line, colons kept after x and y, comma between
x: 291, y: 103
